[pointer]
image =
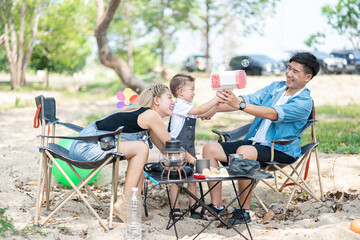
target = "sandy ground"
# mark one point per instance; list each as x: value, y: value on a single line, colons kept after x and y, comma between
x: 308, y: 220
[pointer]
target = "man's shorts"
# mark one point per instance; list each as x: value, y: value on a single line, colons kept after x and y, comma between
x: 264, y: 152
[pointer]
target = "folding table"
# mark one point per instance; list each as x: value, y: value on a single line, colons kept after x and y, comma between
x: 155, y: 177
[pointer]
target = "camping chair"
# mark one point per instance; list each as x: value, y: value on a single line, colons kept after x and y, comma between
x: 301, y: 163
x: 46, y: 114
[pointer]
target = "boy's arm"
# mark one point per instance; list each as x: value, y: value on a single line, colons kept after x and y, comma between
x: 204, y: 108
x: 209, y: 114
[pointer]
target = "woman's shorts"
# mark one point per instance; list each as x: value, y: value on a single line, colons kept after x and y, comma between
x: 264, y: 152
x: 91, y: 151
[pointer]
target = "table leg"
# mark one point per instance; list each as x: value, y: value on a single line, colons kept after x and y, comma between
x: 251, y: 185
x: 172, y: 221
x: 217, y: 216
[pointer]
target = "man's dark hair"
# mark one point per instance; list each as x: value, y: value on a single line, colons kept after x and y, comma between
x: 309, y: 61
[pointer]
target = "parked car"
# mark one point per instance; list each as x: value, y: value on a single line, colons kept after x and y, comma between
x: 330, y: 64
x: 257, y: 64
x: 352, y: 60
x: 195, y: 63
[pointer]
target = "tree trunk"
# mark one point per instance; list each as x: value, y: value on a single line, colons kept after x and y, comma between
x: 19, y: 61
x: 30, y: 47
x: 14, y: 52
x: 107, y: 57
x: 207, y: 37
x: 129, y: 40
x: 162, y: 40
x: 9, y: 53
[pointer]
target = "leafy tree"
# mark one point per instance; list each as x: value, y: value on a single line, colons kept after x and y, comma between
x: 162, y: 19
x: 345, y: 18
x: 315, y: 40
x: 18, y: 28
x: 64, y: 31
x: 126, y: 33
x: 215, y: 16
x: 3, y: 61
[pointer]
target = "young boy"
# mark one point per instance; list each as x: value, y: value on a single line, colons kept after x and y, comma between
x: 182, y: 127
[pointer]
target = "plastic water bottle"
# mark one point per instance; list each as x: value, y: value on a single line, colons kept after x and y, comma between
x: 133, y: 225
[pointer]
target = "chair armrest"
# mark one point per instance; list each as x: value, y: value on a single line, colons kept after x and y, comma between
x: 233, y: 135
x: 71, y: 126
x: 284, y: 141
x: 88, y: 138
x: 287, y: 142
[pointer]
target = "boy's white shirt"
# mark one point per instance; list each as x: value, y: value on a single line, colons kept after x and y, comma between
x: 179, y: 114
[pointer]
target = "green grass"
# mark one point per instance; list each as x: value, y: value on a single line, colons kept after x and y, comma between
x: 337, y: 136
x: 7, y: 228
x: 6, y: 223
x: 328, y: 111
x: 338, y: 129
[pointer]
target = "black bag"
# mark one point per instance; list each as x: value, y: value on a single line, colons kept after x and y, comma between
x: 153, y: 167
x: 157, y: 167
x: 107, y: 143
x: 244, y: 166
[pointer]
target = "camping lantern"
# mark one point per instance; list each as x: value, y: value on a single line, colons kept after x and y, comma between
x: 173, y: 159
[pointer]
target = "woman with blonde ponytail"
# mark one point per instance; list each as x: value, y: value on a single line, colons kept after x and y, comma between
x: 155, y: 103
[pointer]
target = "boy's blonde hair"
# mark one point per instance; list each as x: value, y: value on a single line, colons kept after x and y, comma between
x: 179, y: 81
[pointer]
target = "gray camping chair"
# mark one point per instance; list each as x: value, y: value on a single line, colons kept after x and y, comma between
x: 301, y: 163
x: 47, y: 115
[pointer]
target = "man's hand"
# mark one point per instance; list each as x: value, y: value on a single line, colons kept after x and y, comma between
x: 228, y: 97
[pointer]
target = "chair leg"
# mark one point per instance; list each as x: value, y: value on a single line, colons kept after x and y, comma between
x: 260, y: 202
x: 47, y: 183
x: 319, y: 174
x: 76, y: 190
x: 297, y: 181
x: 79, y: 193
x: 276, y: 179
x: 49, y: 171
x: 116, y: 178
x: 113, y: 191
x: 88, y: 189
x: 269, y: 185
x: 294, y: 171
x: 39, y: 188
x: 258, y: 198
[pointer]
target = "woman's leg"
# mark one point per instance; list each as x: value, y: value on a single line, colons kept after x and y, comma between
x: 137, y: 152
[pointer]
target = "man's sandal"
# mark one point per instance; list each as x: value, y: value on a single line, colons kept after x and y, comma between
x: 176, y: 214
x: 197, y: 215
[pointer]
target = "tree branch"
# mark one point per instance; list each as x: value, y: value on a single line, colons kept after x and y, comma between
x: 107, y: 57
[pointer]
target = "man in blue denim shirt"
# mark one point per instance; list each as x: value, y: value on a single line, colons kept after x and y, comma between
x: 281, y: 110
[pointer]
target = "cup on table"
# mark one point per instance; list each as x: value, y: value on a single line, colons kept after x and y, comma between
x: 201, y: 164
x: 234, y: 156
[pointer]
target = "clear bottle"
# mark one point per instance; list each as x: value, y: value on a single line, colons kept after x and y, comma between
x: 133, y: 223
